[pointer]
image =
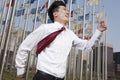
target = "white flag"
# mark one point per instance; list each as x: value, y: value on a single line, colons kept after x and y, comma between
x: 25, y: 5
x: 89, y: 29
x: 100, y: 16
x: 78, y: 11
x: 92, y: 2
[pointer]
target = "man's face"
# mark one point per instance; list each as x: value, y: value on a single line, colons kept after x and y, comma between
x: 62, y: 14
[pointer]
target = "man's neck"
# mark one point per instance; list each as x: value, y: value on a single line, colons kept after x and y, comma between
x: 62, y: 23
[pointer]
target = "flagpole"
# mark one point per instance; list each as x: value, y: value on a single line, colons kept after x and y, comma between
x: 84, y: 12
x: 1, y: 18
x: 78, y: 51
x: 69, y: 24
x: 46, y: 19
x: 29, y: 56
x: 14, y: 53
x: 75, y: 50
x: 8, y: 36
x: 24, y: 35
x: 70, y: 8
x: 26, y: 22
x: 4, y: 29
x: 100, y: 61
x: 74, y: 64
x: 91, y: 70
x: 106, y: 52
x: 16, y: 41
x: 34, y: 26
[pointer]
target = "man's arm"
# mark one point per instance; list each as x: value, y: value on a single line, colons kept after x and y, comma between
x: 27, y: 45
x: 88, y: 44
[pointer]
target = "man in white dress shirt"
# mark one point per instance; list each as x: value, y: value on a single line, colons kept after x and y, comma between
x: 51, y: 63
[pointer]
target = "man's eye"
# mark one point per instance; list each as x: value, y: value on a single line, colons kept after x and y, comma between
x: 64, y: 9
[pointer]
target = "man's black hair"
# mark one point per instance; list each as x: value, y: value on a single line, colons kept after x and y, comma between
x: 54, y: 6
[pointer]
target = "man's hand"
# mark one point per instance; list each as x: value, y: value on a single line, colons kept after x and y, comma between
x: 102, y: 26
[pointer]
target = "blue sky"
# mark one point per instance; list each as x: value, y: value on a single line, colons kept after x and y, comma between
x: 112, y: 11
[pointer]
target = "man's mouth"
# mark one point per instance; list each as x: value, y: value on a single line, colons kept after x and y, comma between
x: 67, y: 16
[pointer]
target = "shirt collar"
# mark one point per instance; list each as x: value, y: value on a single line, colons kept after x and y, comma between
x: 59, y: 25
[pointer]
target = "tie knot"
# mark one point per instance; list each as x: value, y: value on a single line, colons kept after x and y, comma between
x: 63, y: 28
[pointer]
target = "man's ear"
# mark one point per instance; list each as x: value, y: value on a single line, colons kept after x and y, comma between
x: 55, y: 14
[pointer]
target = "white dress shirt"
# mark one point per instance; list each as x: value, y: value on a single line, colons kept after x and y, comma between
x: 53, y: 58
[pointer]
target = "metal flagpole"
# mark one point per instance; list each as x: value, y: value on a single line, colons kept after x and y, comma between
x: 15, y: 51
x: 34, y: 26
x: 16, y: 42
x: 27, y: 16
x: 34, y: 57
x: 106, y: 52
x: 78, y: 51
x: 88, y: 57
x: 8, y: 36
x: 75, y: 63
x: 87, y: 64
x: 103, y: 61
x: 26, y: 21
x: 98, y: 61
x: 91, y: 68
x: 83, y: 27
x: 29, y: 56
x: 1, y: 19
x: 24, y: 34
x: 8, y: 52
x: 4, y: 29
x: 70, y: 8
x: 70, y: 54
x: 46, y: 19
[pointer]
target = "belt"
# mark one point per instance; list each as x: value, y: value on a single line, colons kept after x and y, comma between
x: 51, y: 77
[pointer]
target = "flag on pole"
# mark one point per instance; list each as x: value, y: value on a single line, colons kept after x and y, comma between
x: 100, y: 16
x: 12, y: 3
x: 80, y: 31
x: 38, y: 19
x: 78, y: 11
x: 3, y: 22
x: 89, y: 28
x: 33, y: 11
x: 92, y: 2
x: 73, y: 1
x: 44, y: 6
x: 32, y: 1
x: 80, y: 18
x: 20, y: 12
x: 77, y: 28
x: 25, y: 5
x: 72, y: 13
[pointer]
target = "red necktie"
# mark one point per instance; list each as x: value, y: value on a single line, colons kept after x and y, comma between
x: 47, y: 40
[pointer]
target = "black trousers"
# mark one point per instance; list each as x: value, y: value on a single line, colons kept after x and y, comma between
x: 40, y: 75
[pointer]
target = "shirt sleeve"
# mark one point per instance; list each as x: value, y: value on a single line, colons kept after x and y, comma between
x: 27, y: 45
x: 87, y: 44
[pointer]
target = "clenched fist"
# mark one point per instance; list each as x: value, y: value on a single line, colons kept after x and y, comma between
x: 102, y: 26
